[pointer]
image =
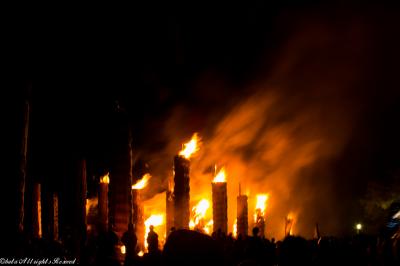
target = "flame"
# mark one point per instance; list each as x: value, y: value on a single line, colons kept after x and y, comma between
x: 262, y: 202
x: 141, y: 253
x: 154, y: 220
x: 142, y: 182
x: 220, y: 177
x: 105, y: 179
x: 290, y: 218
x: 199, y: 212
x: 201, y: 208
x: 234, y: 231
x: 190, y: 147
x: 191, y: 224
x: 207, y: 228
x: 261, y: 205
x: 91, y: 205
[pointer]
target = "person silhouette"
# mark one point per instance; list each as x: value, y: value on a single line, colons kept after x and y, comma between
x: 152, y: 240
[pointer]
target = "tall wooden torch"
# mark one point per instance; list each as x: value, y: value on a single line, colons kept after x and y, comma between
x: 182, y: 184
x: 242, y: 214
x: 220, y: 202
x: 55, y: 224
x: 138, y: 211
x: 103, y: 202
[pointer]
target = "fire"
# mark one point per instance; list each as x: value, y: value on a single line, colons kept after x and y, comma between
x: 262, y: 202
x: 105, y: 179
x: 91, y: 205
x: 201, y: 208
x: 141, y: 253
x: 190, y: 147
x: 207, y: 228
x: 290, y: 219
x: 261, y: 205
x: 234, y: 231
x: 154, y: 220
x: 142, y: 182
x: 220, y: 177
x: 199, y: 212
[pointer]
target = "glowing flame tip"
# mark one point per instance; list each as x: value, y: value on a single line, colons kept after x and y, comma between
x: 220, y: 177
x: 190, y: 147
x: 142, y: 182
x: 105, y: 179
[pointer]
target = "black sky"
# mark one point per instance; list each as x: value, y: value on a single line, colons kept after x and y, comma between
x: 99, y: 70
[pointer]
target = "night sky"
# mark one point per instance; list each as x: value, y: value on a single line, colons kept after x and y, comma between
x: 331, y: 68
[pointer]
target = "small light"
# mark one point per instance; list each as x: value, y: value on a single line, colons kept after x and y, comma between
x: 141, y: 253
x: 359, y: 226
x: 123, y: 249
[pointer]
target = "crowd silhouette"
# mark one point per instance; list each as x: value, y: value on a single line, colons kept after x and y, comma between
x: 187, y: 247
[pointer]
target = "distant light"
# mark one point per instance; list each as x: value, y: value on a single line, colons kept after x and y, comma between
x: 359, y: 226
x: 123, y: 249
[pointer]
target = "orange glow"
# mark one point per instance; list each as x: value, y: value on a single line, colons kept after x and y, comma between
x: 105, y: 179
x: 142, y: 182
x: 220, y: 177
x: 190, y: 147
x: 141, y: 253
x: 155, y: 220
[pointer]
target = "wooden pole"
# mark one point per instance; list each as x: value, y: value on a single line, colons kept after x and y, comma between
x: 138, y: 218
x: 103, y: 203
x: 55, y: 230
x: 22, y: 166
x: 242, y: 215
x: 181, y: 192
x: 220, y: 206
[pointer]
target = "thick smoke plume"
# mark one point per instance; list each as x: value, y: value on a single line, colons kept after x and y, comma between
x: 283, y: 137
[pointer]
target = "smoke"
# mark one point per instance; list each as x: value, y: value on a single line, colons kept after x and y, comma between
x: 284, y: 134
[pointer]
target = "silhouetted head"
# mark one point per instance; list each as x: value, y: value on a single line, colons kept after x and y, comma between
x: 151, y: 228
x: 256, y: 230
